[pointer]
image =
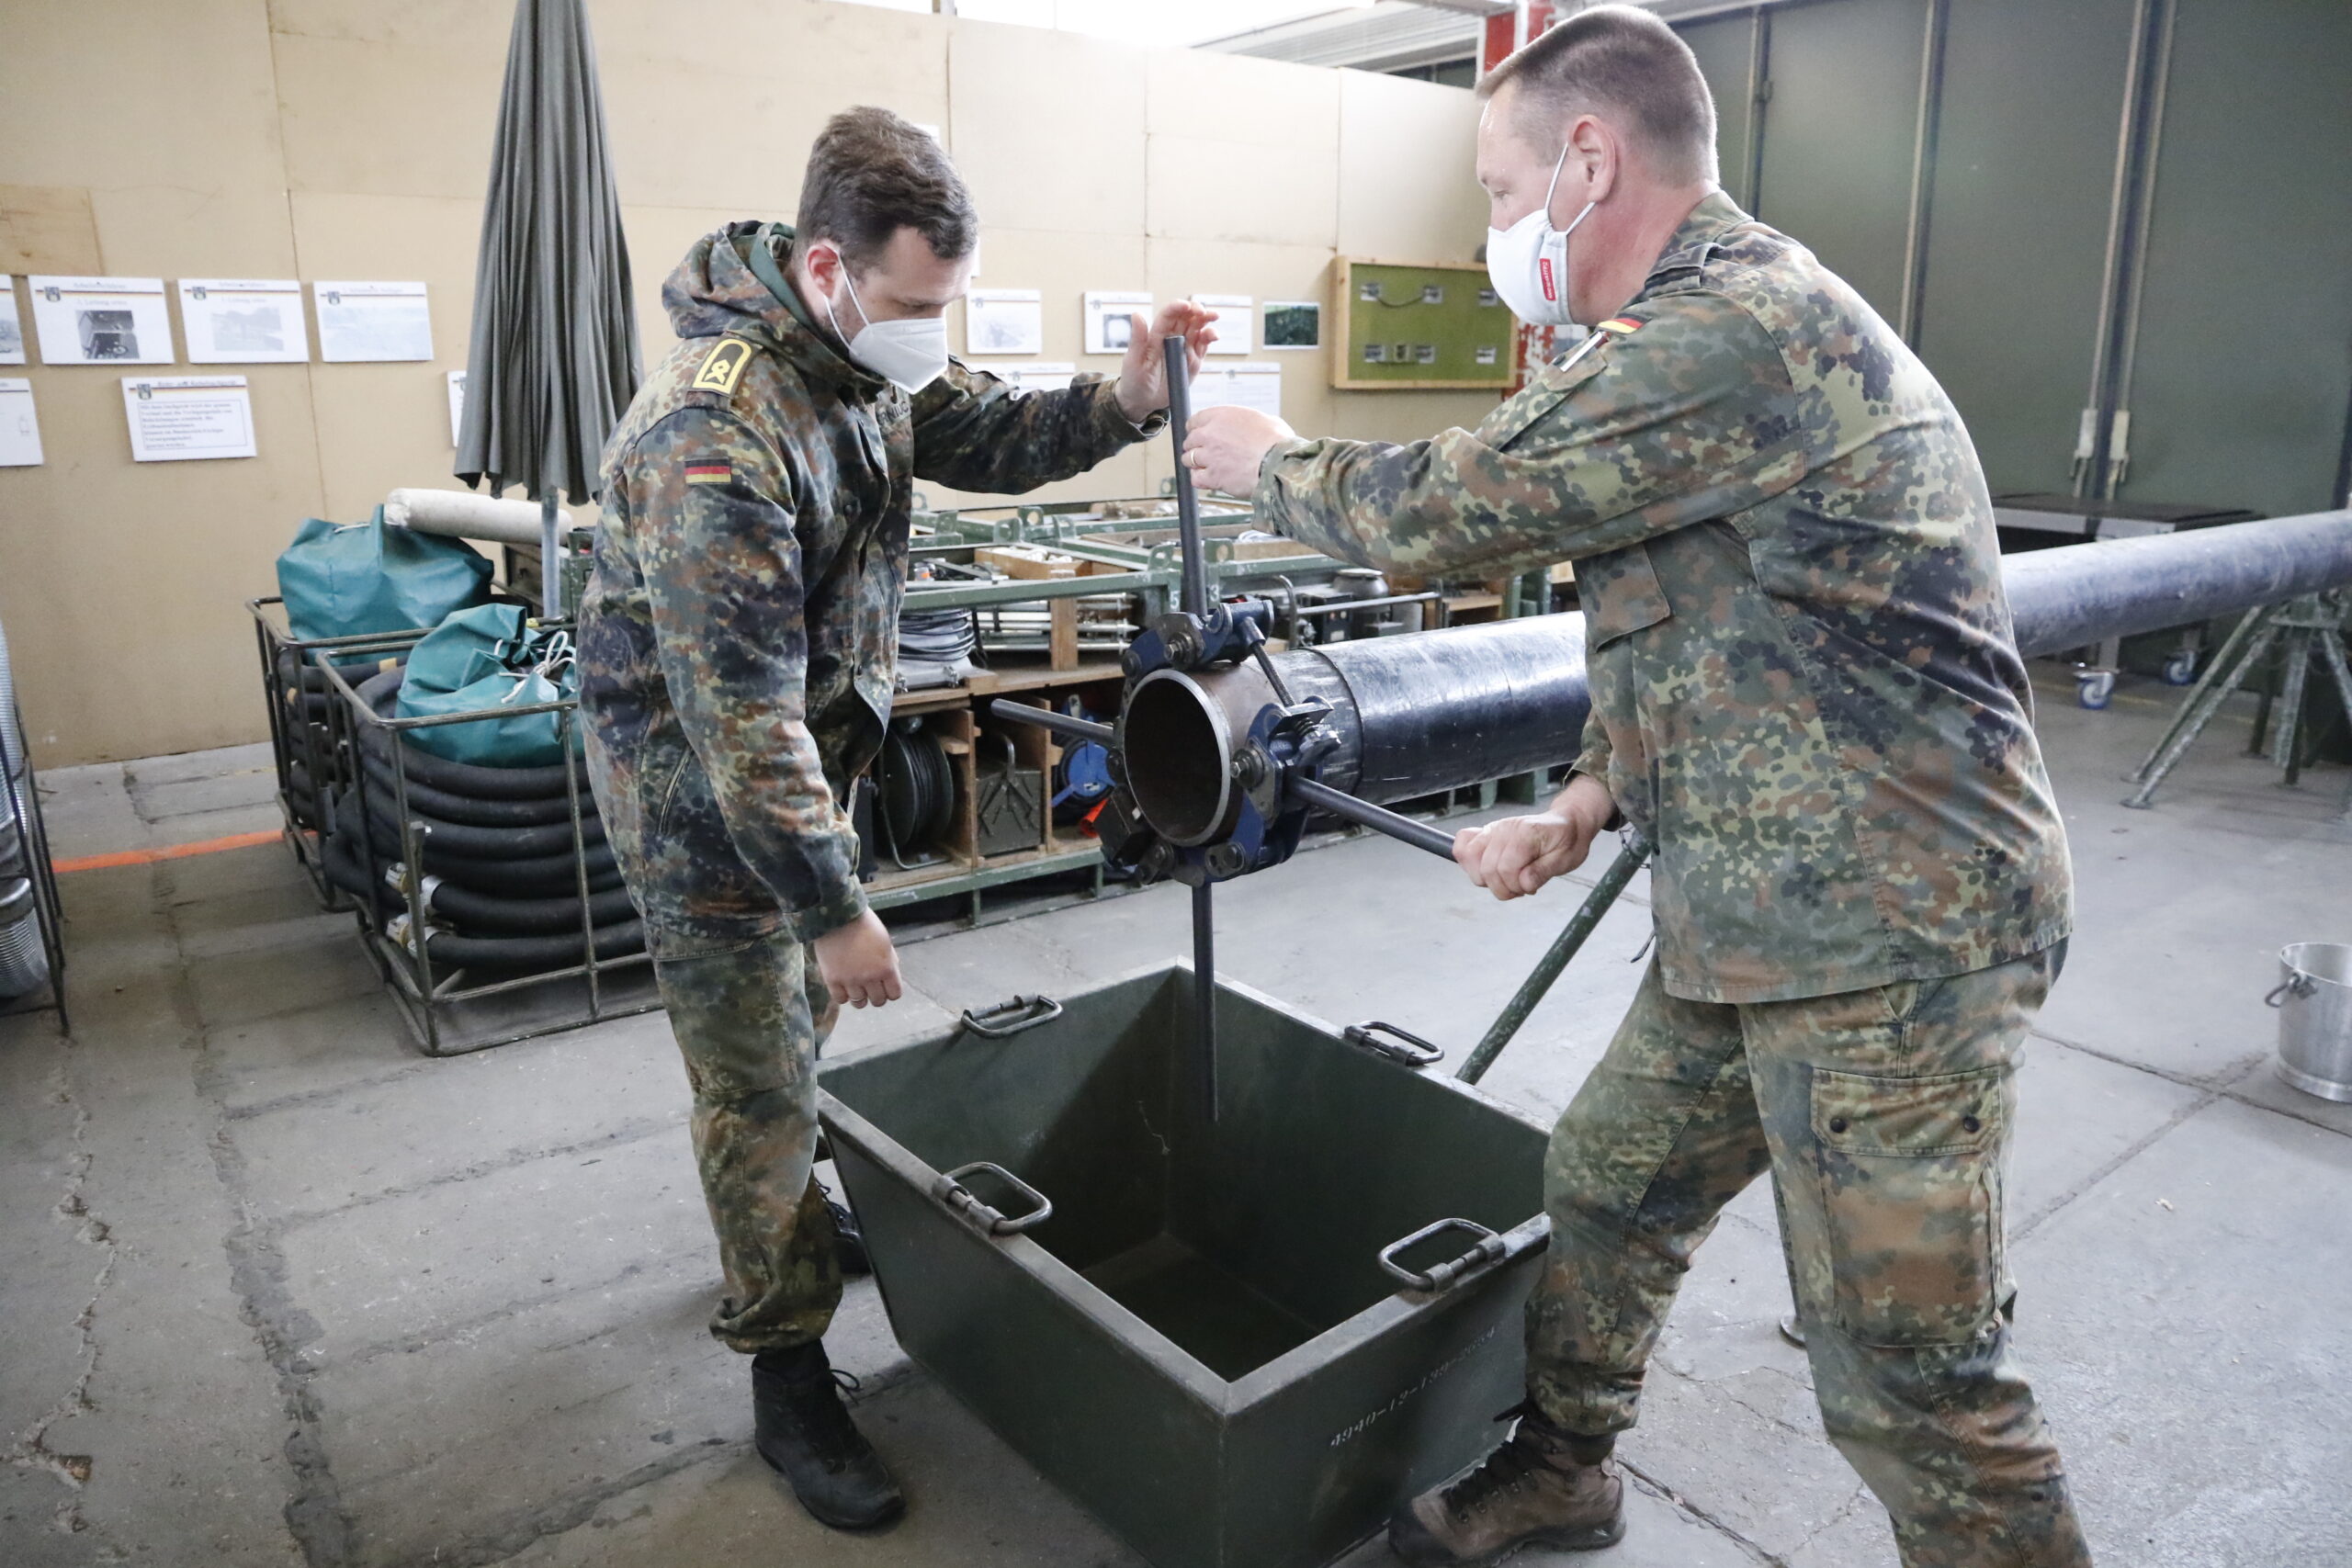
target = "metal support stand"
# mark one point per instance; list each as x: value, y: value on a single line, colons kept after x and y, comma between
x: 1564, y: 947
x: 23, y: 837
x: 550, y: 559
x: 2304, y: 630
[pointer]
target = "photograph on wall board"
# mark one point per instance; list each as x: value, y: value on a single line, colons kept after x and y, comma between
x: 12, y: 327
x: 19, y: 429
x: 1004, y: 320
x: 363, y: 322
x: 241, y: 321
x: 1233, y: 328
x: 101, y: 321
x: 175, y: 419
x: 1293, y: 324
x: 1107, y: 328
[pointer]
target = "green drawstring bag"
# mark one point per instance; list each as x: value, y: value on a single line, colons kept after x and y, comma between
x: 341, y: 580
x: 485, y: 662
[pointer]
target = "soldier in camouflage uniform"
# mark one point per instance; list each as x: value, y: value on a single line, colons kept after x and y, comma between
x: 737, y: 644
x: 1805, y: 691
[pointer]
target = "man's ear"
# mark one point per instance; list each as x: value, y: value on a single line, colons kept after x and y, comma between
x: 822, y: 258
x: 1595, y: 146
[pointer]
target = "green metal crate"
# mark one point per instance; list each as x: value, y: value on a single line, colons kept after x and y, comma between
x: 1200, y: 1343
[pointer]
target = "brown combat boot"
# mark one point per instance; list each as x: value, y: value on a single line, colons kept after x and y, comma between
x: 1544, y: 1487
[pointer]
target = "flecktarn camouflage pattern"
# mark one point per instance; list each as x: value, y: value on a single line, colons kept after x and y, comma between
x: 1804, y: 682
x: 1807, y: 691
x: 1884, y: 1116
x: 737, y: 648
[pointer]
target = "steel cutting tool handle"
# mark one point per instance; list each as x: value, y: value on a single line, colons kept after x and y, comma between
x: 1196, y: 602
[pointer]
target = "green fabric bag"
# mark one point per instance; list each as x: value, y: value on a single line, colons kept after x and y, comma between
x: 341, y: 580
x: 484, y: 661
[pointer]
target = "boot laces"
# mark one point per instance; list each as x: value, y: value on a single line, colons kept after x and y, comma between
x: 1506, y: 1471
x: 818, y: 1411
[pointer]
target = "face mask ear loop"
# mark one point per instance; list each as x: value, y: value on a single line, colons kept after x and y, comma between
x: 1552, y: 189
x: 829, y: 313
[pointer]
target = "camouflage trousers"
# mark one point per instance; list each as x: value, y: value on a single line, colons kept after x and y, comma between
x: 1884, y: 1116
x: 749, y: 1014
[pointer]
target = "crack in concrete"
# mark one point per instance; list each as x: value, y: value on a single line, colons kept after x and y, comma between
x: 314, y: 1513
x: 32, y: 1451
x: 2138, y: 1146
x: 636, y: 1131
x: 1688, y: 1509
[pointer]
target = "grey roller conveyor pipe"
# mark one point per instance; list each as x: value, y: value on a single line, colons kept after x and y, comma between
x: 1426, y: 712
x: 464, y: 515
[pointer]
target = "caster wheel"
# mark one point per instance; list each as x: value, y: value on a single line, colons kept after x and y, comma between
x: 2180, y: 669
x: 2093, y: 690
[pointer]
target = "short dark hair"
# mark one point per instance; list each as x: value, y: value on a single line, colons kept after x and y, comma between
x: 1623, y: 63
x: 872, y: 174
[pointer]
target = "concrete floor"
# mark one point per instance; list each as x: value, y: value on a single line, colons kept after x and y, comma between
x: 279, y: 1290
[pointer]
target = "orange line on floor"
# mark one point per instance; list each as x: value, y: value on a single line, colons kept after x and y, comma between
x: 176, y: 852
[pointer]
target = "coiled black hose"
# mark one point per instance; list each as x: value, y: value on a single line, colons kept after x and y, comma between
x: 543, y: 875
x: 380, y: 691
x: 477, y: 843
x: 475, y: 912
x: 440, y: 803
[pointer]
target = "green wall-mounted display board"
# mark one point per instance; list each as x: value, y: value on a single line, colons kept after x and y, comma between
x: 1406, y: 328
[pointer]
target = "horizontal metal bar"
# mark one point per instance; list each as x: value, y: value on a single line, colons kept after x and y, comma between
x: 1380, y: 819
x: 1342, y: 606
x: 977, y: 595
x: 1047, y: 718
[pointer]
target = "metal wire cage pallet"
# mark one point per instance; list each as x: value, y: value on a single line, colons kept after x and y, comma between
x: 452, y: 1006
x: 28, y: 878
x: 294, y: 694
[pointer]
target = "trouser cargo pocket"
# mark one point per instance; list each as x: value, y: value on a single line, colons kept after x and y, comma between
x: 1910, y: 1175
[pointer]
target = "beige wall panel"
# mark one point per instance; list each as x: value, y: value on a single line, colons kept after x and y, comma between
x: 1207, y: 190
x: 1234, y: 97
x: 1407, y: 189
x: 124, y: 92
x: 1407, y: 416
x: 1060, y: 267
x: 722, y: 113
x: 1048, y: 129
x: 48, y: 229
x: 173, y: 233
x: 406, y: 104
x: 123, y: 584
x: 658, y: 238
x: 381, y: 425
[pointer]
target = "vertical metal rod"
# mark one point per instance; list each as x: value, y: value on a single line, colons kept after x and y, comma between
x: 1760, y: 67
x: 1923, y: 170
x: 550, y: 560
x: 1195, y: 600
x: 1204, y: 998
x: 1564, y: 947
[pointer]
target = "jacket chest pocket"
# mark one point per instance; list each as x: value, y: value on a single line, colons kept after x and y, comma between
x: 1621, y: 594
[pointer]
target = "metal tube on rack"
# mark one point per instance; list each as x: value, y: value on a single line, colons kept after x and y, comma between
x: 1047, y: 718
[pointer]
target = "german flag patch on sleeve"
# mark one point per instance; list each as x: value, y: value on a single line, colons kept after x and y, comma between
x: 1618, y: 324
x: 710, y: 473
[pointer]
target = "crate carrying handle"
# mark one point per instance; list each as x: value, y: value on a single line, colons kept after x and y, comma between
x: 950, y: 1190
x: 1006, y: 1020
x: 1490, y: 1249
x: 1407, y: 1048
x: 2301, y: 983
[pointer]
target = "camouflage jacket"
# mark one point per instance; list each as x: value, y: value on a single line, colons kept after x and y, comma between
x: 738, y: 635
x: 1805, y: 684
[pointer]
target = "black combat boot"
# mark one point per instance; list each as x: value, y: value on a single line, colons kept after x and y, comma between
x: 804, y: 1432
x: 849, y: 1238
x: 1544, y: 1487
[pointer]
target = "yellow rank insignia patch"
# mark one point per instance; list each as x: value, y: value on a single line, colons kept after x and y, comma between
x: 710, y: 473
x: 723, y: 366
x: 1617, y: 324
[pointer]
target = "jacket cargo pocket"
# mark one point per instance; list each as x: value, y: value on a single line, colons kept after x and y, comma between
x: 1910, y: 1186
x: 1621, y: 594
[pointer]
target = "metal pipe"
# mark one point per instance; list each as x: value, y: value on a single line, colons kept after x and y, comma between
x: 1581, y: 925
x: 1364, y: 814
x: 1430, y: 711
x: 1047, y: 718
x: 464, y: 515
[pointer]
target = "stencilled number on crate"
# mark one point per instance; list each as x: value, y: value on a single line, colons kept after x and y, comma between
x: 1357, y: 1427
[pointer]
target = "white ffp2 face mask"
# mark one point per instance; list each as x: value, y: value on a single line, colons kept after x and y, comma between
x: 913, y: 352
x: 1528, y: 262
